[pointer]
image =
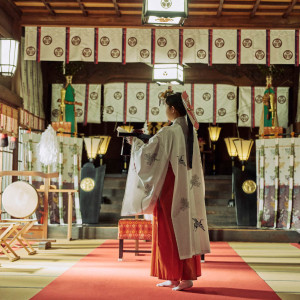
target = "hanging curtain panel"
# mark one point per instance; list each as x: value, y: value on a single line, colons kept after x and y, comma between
x: 282, y: 94
x: 136, y: 102
x: 138, y: 45
x: 251, y: 105
x: 31, y: 85
x: 282, y: 46
x: 166, y: 46
x: 92, y: 111
x: 30, y: 49
x: 224, y: 46
x: 253, y: 46
x: 110, y: 44
x: 156, y: 109
x: 195, y: 46
x: 53, y: 43
x: 282, y: 200
x: 226, y: 103
x: 204, y: 99
x: 81, y: 44
x: 114, y: 99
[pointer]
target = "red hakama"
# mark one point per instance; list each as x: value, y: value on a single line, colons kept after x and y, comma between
x: 165, y: 263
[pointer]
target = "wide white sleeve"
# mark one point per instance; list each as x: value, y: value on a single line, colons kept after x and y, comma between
x: 147, y: 171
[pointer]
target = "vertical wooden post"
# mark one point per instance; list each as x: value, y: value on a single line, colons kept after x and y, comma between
x: 1, y: 160
x: 70, y: 210
x: 45, y: 220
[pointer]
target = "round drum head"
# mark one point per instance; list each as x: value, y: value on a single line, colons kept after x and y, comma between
x: 20, y: 199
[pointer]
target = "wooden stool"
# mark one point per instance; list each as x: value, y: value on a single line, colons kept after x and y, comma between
x: 134, y: 229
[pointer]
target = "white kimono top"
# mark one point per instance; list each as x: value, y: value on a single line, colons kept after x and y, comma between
x: 146, y: 176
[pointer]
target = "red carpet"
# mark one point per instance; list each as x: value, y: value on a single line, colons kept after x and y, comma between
x: 100, y: 275
x: 296, y: 245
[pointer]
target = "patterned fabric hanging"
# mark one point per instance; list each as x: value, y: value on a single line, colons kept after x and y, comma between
x: 167, y: 46
x: 114, y: 102
x: 282, y: 46
x: 138, y: 45
x: 195, y: 46
x: 224, y: 46
x: 136, y: 102
x: 53, y: 43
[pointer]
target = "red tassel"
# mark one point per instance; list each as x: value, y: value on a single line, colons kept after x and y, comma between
x: 13, y: 143
x: 3, y: 140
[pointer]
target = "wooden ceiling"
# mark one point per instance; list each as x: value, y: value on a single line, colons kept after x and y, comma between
x: 202, y: 13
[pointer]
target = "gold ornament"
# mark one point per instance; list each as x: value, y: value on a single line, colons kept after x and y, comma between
x: 249, y: 186
x: 87, y: 184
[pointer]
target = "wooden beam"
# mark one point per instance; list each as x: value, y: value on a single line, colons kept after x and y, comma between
x: 116, y: 8
x: 47, y: 5
x: 220, y: 8
x: 85, y: 13
x: 289, y: 10
x: 259, y: 22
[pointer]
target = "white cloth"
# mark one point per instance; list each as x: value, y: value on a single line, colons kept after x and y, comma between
x: 147, y: 172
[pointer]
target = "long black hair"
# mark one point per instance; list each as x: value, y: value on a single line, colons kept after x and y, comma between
x: 176, y: 101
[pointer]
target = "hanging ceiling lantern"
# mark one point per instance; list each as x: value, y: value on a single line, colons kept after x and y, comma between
x: 243, y: 148
x: 168, y: 73
x: 8, y: 56
x: 164, y: 12
x: 92, y: 145
x: 214, y: 132
x: 230, y: 146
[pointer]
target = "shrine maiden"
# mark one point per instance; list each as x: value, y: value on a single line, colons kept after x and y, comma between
x: 166, y: 178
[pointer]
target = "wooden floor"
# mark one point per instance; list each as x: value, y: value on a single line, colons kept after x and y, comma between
x: 276, y: 263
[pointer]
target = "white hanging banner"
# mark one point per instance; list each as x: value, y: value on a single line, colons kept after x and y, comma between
x: 53, y: 43
x: 30, y: 43
x: 138, y: 47
x: 166, y: 46
x: 226, y: 104
x: 93, y: 103
x: 110, y: 44
x: 81, y: 44
x: 282, y: 46
x: 136, y: 102
x: 195, y: 46
x: 224, y: 46
x: 282, y: 94
x: 250, y: 106
x: 113, y: 102
x: 203, y: 102
x: 157, y: 111
x: 253, y: 46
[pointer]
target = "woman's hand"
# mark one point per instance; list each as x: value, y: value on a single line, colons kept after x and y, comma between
x: 129, y: 139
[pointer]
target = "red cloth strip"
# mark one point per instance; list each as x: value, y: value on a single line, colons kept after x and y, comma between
x: 192, y: 95
x: 252, y: 106
x: 268, y: 47
x: 215, y: 105
x: 238, y: 50
x: 125, y: 102
x: 147, y: 101
x: 297, y: 48
x: 67, y: 45
x: 210, y: 38
x: 153, y: 46
x: 86, y: 107
x: 96, y: 46
x: 124, y: 46
x: 180, y: 46
x: 38, y: 46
